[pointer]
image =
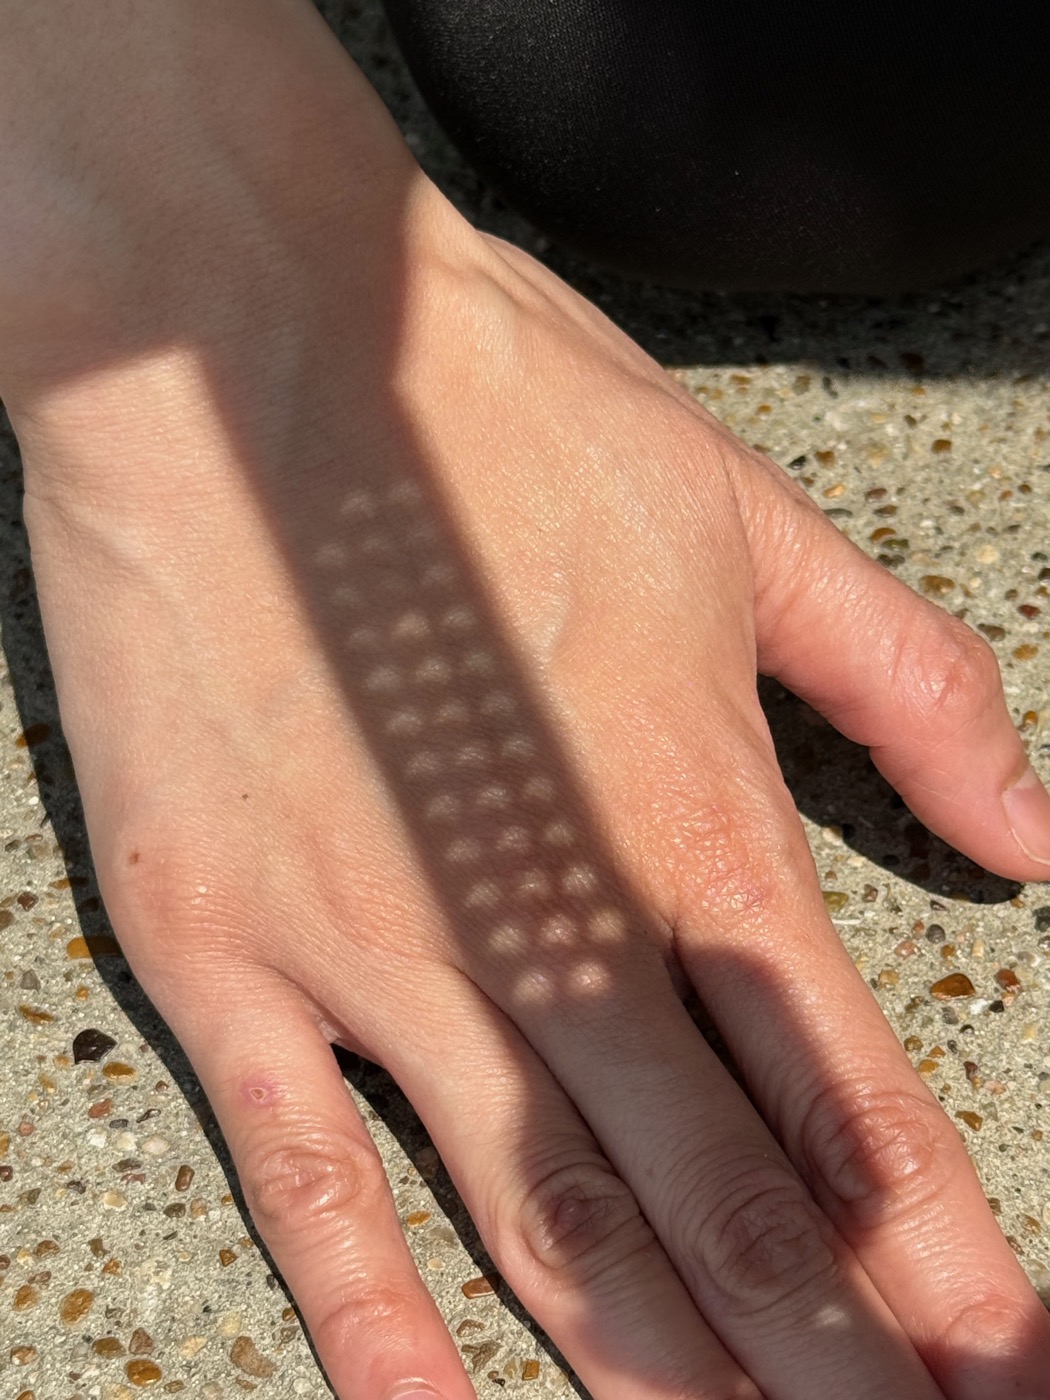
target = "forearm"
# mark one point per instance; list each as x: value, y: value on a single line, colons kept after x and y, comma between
x: 175, y: 168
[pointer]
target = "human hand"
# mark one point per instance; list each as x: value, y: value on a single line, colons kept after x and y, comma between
x: 436, y: 667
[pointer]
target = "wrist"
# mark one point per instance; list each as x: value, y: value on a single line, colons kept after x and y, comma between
x: 208, y: 201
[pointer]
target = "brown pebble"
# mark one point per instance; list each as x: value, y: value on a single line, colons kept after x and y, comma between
x: 97, y: 1247
x: 835, y: 900
x: 91, y: 1044
x: 226, y: 1257
x: 111, y: 1267
x: 107, y: 1346
x: 46, y: 1247
x: 246, y: 1357
x: 76, y: 1305
x: 117, y: 1069
x: 469, y: 1324
x: 479, y: 1287
x: 96, y: 946
x: 936, y: 585
x: 956, y: 984
x: 889, y: 977
x: 428, y: 1163
x: 102, y: 1109
x: 22, y: 1356
x: 913, y: 1044
x: 1009, y: 981
x: 418, y: 1217
x: 972, y: 1120
x: 184, y: 1178
x: 941, y: 445
x: 35, y: 1016
x: 926, y: 1067
x: 142, y: 1372
x: 26, y: 1297
x: 34, y: 734
x: 141, y: 1343
x: 26, y: 1395
x: 530, y: 1370
x: 1025, y: 652
x: 480, y: 1353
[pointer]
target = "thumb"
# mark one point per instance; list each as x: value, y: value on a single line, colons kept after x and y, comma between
x: 895, y: 672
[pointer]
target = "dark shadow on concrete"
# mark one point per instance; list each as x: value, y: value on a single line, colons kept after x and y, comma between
x: 835, y: 783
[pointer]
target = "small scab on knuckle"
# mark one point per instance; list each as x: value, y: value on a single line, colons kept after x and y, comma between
x: 298, y: 1184
x: 873, y: 1156
x: 580, y: 1220
x: 762, y: 1244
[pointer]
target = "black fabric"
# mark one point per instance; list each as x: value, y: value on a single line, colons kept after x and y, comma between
x: 750, y: 144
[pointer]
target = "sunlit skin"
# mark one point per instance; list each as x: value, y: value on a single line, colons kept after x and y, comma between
x: 405, y: 620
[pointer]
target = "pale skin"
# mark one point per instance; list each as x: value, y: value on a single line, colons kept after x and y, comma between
x: 405, y: 620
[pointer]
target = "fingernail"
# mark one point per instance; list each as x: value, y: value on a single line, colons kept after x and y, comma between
x: 415, y: 1392
x: 1027, y: 806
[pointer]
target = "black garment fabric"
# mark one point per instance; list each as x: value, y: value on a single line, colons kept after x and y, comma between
x: 859, y: 146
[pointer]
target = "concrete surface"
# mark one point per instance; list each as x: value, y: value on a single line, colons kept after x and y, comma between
x: 921, y: 426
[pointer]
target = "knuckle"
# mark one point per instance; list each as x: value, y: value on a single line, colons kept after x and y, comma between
x: 314, y: 1181
x: 580, y: 1219
x: 983, y: 1318
x: 733, y: 858
x: 160, y: 881
x: 384, y: 1314
x: 764, y: 1241
x: 874, y: 1154
x: 947, y: 671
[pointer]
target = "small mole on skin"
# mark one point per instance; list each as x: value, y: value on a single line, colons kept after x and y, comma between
x: 134, y: 858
